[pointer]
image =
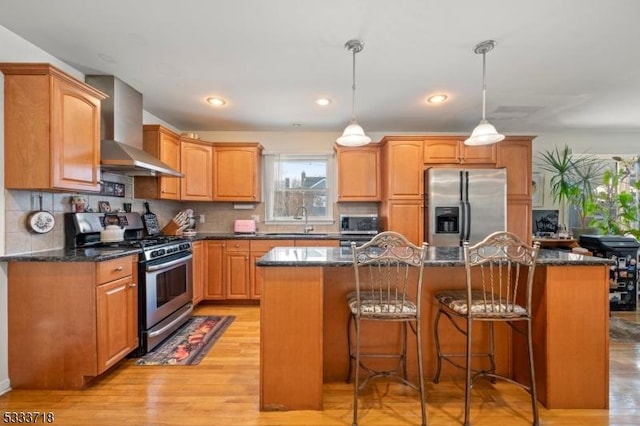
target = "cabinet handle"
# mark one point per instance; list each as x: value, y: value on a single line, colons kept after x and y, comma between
x: 133, y: 285
x: 118, y: 269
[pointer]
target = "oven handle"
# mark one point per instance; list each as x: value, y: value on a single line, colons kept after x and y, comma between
x: 168, y: 264
x: 172, y: 323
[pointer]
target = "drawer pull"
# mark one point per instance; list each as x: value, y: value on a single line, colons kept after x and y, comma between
x: 132, y: 285
x: 118, y: 269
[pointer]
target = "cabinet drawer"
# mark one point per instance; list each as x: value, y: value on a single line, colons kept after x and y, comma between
x: 237, y: 245
x: 266, y: 245
x: 110, y: 270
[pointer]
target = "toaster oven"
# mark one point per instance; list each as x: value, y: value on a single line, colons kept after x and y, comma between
x: 359, y: 224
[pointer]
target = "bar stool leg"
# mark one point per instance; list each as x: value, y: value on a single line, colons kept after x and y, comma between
x: 436, y: 377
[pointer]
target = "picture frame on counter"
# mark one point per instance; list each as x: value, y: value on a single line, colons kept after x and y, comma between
x: 112, y: 189
x: 104, y: 207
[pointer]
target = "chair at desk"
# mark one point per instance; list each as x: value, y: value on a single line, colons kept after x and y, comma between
x: 388, y: 285
x: 499, y: 279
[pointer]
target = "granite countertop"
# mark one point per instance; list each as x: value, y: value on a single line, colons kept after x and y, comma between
x: 71, y: 255
x: 437, y: 256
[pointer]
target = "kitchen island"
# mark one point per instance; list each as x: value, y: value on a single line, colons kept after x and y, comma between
x: 304, y: 317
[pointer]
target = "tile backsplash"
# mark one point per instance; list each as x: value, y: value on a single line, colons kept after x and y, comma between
x: 219, y: 217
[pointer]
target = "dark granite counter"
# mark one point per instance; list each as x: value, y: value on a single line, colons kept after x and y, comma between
x: 274, y: 236
x: 437, y: 256
x: 71, y: 255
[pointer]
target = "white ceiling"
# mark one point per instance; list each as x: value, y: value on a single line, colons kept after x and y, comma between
x: 558, y: 65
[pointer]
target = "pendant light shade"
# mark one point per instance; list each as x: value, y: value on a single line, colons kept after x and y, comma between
x: 353, y: 134
x: 484, y: 133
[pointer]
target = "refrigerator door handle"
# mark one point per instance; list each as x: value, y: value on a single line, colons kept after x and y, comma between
x: 463, y: 221
x: 467, y: 223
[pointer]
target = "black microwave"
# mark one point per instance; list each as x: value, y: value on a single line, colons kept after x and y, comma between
x: 359, y: 224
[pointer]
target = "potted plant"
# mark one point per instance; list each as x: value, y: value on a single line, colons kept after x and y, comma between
x: 615, y: 206
x: 573, y: 181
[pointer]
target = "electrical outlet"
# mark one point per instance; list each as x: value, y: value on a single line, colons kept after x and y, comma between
x: 255, y: 218
x: 201, y: 218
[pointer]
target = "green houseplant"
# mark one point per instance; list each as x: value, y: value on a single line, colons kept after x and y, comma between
x: 573, y: 180
x: 615, y: 208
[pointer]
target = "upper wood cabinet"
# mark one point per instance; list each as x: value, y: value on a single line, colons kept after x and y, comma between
x: 163, y: 144
x: 196, y: 162
x: 402, y: 167
x: 514, y: 153
x: 52, y: 129
x: 359, y: 173
x: 237, y: 172
x: 452, y: 150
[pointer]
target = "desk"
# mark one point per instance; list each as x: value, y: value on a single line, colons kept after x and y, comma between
x: 552, y: 243
x: 303, y: 318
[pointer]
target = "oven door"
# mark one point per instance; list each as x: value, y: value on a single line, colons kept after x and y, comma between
x: 167, y: 287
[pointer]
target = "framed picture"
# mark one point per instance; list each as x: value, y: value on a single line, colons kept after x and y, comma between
x: 112, y: 189
x: 537, y: 189
x: 104, y: 207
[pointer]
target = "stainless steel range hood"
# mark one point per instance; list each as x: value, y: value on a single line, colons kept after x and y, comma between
x: 121, y: 131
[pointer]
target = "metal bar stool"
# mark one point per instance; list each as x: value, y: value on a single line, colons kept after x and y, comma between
x: 499, y: 280
x: 388, y: 285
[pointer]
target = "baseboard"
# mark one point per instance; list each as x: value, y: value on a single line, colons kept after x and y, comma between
x: 5, y: 386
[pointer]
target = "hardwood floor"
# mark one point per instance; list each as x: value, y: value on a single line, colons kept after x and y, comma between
x: 223, y: 390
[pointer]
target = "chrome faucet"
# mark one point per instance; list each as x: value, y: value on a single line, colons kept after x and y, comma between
x: 302, y: 213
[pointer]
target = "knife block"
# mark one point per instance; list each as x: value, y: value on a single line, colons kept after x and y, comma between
x: 172, y: 228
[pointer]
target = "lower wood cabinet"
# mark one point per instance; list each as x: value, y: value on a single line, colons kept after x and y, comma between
x: 197, y: 267
x: 70, y: 321
x: 405, y: 217
x: 230, y: 271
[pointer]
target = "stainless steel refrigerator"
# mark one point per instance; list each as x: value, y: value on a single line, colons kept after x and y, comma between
x: 464, y: 205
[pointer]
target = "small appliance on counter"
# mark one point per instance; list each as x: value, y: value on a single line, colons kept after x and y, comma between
x: 358, y: 228
x: 244, y: 226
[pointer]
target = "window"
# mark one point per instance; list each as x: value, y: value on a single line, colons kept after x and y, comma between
x: 293, y: 181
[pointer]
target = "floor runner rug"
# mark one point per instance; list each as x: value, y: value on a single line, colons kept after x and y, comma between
x: 190, y: 343
x: 622, y: 330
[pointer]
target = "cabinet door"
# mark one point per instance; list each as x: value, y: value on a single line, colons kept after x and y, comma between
x: 198, y: 272
x: 236, y: 173
x: 359, y: 173
x: 196, y: 160
x: 515, y: 155
x: 116, y: 311
x: 519, y: 219
x: 405, y: 217
x: 170, y: 151
x: 213, y: 270
x: 403, y: 168
x: 75, y: 138
x: 236, y: 269
x: 441, y: 151
x: 481, y: 154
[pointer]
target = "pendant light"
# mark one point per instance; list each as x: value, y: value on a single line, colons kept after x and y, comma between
x: 484, y: 133
x: 353, y: 134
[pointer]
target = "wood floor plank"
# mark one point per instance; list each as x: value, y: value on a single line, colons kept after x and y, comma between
x: 223, y: 390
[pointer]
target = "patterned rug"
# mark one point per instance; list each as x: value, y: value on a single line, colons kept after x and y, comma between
x: 190, y: 343
x: 624, y: 331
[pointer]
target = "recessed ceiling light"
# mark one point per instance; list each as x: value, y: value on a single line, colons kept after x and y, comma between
x: 437, y: 99
x: 296, y: 125
x: 216, y: 101
x: 323, y: 101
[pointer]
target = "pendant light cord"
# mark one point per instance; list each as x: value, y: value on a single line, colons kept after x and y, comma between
x: 484, y: 84
x: 353, y: 87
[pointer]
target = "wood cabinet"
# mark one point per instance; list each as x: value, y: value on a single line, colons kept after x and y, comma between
x: 68, y: 322
x: 514, y: 153
x: 317, y: 243
x: 237, y: 270
x: 359, y: 173
x: 117, y: 310
x: 452, y: 150
x: 196, y: 162
x: 237, y: 172
x: 402, y: 168
x: 214, y: 288
x: 163, y: 144
x: 52, y: 129
x: 198, y: 271
x: 402, y: 171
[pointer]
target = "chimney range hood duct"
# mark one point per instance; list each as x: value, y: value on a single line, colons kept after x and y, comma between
x: 121, y: 131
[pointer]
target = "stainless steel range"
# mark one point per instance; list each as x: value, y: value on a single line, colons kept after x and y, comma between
x: 165, y: 288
